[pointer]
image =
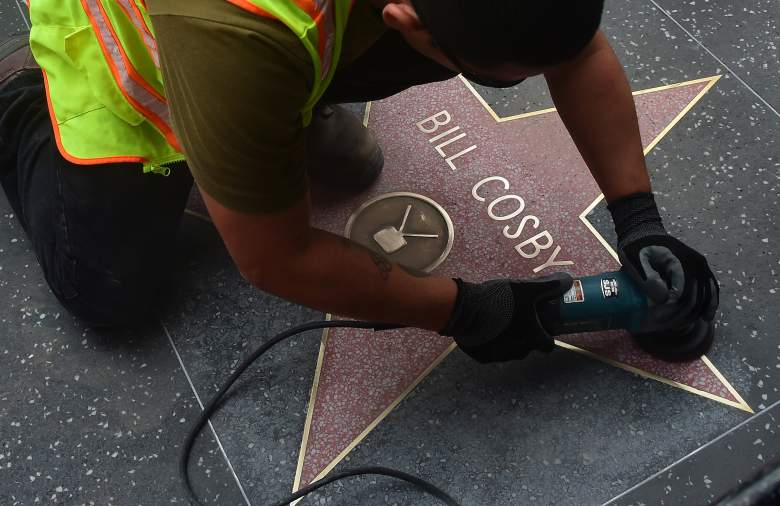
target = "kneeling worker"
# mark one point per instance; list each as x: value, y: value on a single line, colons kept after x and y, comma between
x: 100, y: 110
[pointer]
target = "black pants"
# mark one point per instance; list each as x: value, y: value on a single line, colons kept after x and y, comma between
x: 104, y: 234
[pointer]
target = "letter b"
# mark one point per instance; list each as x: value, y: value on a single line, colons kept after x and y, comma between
x: 435, y: 121
x: 538, y: 246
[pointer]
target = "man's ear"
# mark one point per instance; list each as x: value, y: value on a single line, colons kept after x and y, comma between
x: 402, y: 17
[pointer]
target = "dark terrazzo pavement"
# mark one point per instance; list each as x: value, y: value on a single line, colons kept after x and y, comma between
x: 744, y: 35
x: 89, y: 418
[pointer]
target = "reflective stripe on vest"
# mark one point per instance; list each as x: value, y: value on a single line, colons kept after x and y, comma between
x: 136, y: 90
x: 326, y: 26
x: 132, y: 12
x: 104, y: 86
x: 325, y: 18
x: 321, y: 12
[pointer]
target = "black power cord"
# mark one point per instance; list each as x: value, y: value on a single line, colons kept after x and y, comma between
x: 215, y: 402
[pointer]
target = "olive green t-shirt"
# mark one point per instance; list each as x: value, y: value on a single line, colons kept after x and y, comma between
x: 236, y: 83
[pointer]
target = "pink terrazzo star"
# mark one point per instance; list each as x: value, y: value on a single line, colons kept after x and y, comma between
x: 529, y: 158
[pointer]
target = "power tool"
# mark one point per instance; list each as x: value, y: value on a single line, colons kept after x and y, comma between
x: 613, y: 301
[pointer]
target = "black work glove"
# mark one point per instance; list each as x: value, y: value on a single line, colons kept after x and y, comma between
x: 676, y: 278
x: 497, y: 321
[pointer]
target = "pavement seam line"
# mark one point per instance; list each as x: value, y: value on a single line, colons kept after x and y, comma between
x: 697, y: 41
x: 211, y: 426
x: 694, y: 452
x: 21, y: 11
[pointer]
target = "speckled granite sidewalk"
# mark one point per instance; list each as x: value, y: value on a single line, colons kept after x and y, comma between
x: 99, y: 418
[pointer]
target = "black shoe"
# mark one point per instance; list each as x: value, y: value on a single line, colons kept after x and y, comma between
x: 15, y: 58
x: 341, y: 153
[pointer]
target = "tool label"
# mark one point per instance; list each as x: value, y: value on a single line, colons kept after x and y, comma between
x: 575, y: 293
x: 609, y: 287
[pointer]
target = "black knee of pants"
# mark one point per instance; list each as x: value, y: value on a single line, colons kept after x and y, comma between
x: 103, y: 234
x: 109, y: 301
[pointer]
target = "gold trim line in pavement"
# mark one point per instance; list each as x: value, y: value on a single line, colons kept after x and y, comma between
x: 739, y: 405
x: 310, y: 408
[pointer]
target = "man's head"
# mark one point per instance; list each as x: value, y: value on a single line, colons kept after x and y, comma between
x: 498, y: 40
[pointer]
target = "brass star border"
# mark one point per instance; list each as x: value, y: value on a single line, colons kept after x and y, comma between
x: 740, y: 404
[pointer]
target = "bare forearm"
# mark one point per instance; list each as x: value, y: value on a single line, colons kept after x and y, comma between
x: 338, y: 276
x: 594, y: 100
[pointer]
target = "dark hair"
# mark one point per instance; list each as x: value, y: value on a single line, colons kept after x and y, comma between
x: 524, y: 32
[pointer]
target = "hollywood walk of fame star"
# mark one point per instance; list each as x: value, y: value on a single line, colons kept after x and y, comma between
x: 518, y: 193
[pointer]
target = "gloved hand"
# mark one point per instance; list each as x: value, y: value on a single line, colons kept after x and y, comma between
x: 674, y: 276
x: 496, y: 321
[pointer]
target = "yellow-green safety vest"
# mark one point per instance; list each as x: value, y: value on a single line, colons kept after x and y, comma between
x: 103, y: 81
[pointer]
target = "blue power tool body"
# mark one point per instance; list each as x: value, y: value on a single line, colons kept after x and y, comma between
x: 613, y: 301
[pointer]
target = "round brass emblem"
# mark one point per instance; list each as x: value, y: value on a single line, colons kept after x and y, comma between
x: 409, y: 229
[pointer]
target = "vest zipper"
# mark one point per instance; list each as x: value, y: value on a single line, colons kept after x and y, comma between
x: 160, y: 170
x: 163, y: 167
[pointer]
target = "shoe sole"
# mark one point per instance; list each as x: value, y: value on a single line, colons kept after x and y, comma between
x: 375, y: 166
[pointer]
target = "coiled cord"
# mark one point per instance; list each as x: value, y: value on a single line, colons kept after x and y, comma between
x: 216, y: 400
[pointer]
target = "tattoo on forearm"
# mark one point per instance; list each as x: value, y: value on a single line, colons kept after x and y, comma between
x: 382, y: 263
